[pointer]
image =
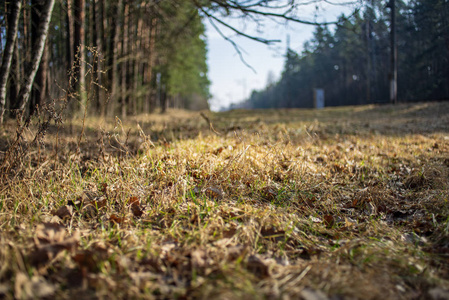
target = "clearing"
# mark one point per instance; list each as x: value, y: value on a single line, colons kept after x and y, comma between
x: 341, y: 203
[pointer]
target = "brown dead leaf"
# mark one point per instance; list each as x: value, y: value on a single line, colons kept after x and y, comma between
x: 218, y: 151
x: 99, y: 202
x: 65, y: 211
x: 92, y: 198
x: 135, y: 207
x: 137, y: 211
x: 47, y: 233
x: 115, y: 219
x: 133, y: 201
x: 321, y: 159
x: 50, y: 240
x: 32, y: 288
x: 257, y: 266
x: 104, y: 188
x: 89, y: 260
x: 228, y: 233
x: 213, y: 193
x: 329, y: 220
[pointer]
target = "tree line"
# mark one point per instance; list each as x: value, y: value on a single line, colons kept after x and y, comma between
x: 351, y: 61
x: 117, y: 57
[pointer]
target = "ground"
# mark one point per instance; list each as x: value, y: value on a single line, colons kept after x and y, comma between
x: 340, y: 203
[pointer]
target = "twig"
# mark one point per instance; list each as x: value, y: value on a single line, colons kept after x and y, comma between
x: 210, y: 124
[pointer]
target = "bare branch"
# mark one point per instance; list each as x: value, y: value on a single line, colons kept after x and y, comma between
x: 254, y: 38
x: 236, y: 47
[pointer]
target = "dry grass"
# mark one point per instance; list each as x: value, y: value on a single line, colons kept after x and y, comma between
x: 342, y: 203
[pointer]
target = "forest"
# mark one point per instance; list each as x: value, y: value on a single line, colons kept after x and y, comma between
x: 351, y: 60
x: 122, y: 57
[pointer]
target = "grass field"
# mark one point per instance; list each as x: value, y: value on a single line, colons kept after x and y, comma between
x: 341, y: 203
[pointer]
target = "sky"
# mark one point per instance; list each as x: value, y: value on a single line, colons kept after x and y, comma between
x: 231, y: 80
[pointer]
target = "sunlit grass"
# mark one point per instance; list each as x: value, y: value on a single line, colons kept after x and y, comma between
x: 348, y: 202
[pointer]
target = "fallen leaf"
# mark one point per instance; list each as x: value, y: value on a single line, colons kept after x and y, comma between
x: 135, y: 207
x: 329, y: 220
x: 218, y: 151
x: 32, y: 288
x: 104, y: 188
x: 228, y: 233
x: 99, y: 202
x: 47, y: 233
x: 257, y: 266
x: 115, y: 219
x: 50, y: 240
x: 213, y: 193
x: 90, y: 260
x: 134, y: 201
x: 65, y: 211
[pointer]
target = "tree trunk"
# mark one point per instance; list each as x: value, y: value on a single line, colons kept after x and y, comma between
x: 36, y: 55
x: 101, y: 44
x: 78, y: 48
x: 16, y: 75
x: 13, y: 25
x: 124, y: 65
x: 132, y: 99
x: 137, y: 61
x: 95, y: 41
x: 164, y: 100
x: 113, y: 54
x: 69, y: 42
x: 150, y: 46
x: 26, y: 34
x: 39, y: 91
